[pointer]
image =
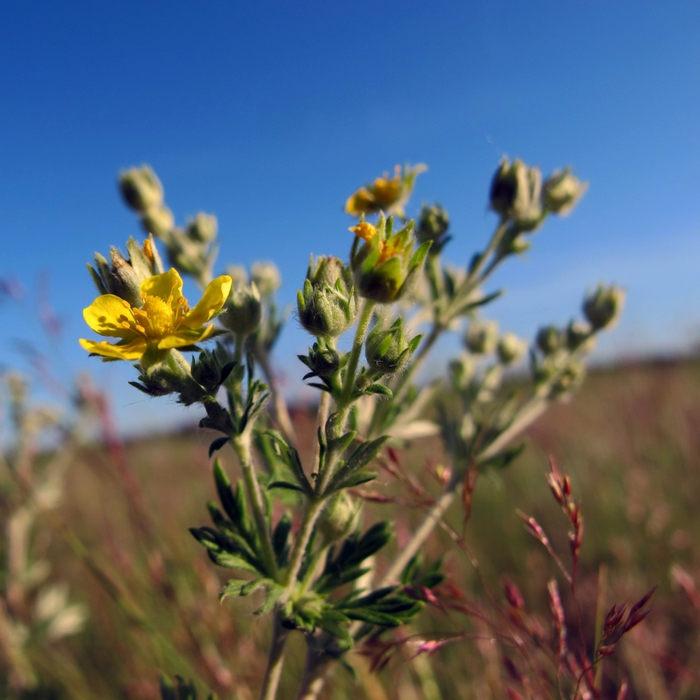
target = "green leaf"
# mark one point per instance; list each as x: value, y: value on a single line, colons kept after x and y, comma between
x: 285, y: 485
x: 373, y: 617
x: 379, y: 389
x: 218, y: 444
x: 280, y: 538
x: 359, y: 478
x: 503, y: 459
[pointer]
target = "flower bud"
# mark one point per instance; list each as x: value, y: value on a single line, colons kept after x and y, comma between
x: 203, y: 228
x: 328, y: 270
x: 123, y: 277
x: 462, y: 370
x: 326, y: 311
x: 339, y: 518
x: 510, y: 348
x: 549, y: 339
x: 513, y: 243
x: 482, y: 337
x: 515, y: 193
x: 238, y: 275
x: 323, y: 359
x: 266, y: 277
x: 389, y: 351
x: 385, y: 266
x: 579, y: 336
x: 604, y: 306
x: 158, y: 220
x: 433, y: 223
x: 243, y: 310
x: 141, y: 188
x: 562, y: 191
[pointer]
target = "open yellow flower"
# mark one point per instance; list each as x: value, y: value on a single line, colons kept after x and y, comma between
x: 165, y: 321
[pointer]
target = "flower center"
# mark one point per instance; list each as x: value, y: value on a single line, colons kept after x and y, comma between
x: 159, y: 318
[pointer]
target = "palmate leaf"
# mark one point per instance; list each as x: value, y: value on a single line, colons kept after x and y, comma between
x: 347, y: 565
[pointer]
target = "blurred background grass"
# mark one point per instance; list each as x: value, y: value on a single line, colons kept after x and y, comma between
x: 629, y: 442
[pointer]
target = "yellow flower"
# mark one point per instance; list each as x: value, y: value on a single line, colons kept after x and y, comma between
x: 388, y: 194
x: 364, y: 230
x: 165, y: 320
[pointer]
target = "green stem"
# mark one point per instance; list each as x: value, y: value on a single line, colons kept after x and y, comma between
x: 275, y: 660
x: 241, y: 444
x: 354, y: 357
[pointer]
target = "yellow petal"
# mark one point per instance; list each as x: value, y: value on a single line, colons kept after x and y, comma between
x: 104, y: 315
x: 214, y: 297
x: 163, y: 285
x: 129, y: 351
x: 362, y: 202
x: 184, y: 338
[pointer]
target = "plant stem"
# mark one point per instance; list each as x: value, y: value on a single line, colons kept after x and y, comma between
x: 529, y: 413
x: 241, y: 444
x: 275, y: 660
x: 314, y: 508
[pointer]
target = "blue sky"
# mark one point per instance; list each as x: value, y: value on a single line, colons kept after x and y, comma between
x: 270, y: 114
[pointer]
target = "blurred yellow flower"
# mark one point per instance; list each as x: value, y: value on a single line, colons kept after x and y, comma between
x: 388, y: 194
x: 165, y: 320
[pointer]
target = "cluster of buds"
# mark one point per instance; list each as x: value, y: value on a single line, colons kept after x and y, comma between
x: 191, y: 249
x: 433, y: 223
x: 518, y: 194
x: 386, y: 194
x: 389, y: 350
x: 326, y: 305
x: 385, y: 266
x: 123, y: 276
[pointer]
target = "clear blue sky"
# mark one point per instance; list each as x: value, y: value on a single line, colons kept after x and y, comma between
x: 270, y: 114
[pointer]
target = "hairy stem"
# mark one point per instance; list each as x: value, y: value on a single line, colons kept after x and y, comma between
x: 275, y: 660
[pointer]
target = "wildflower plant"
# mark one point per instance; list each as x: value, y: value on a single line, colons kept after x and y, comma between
x: 312, y: 566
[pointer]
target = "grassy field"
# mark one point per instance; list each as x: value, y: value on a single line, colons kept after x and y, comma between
x: 630, y: 441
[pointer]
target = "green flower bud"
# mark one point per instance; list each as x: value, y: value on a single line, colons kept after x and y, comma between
x: 516, y: 194
x: 238, y: 275
x: 141, y: 188
x: 462, y: 370
x: 510, y: 348
x: 328, y: 270
x: 266, y: 277
x: 339, y: 518
x: 209, y: 373
x: 385, y: 267
x: 326, y: 311
x: 604, y: 306
x: 203, y: 228
x: 323, y: 359
x: 121, y: 276
x: 562, y: 191
x: 579, y: 336
x: 433, y: 223
x: 171, y: 375
x: 549, y: 339
x: 482, y: 337
x: 389, y: 351
x: 243, y: 310
x: 158, y: 220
